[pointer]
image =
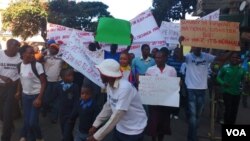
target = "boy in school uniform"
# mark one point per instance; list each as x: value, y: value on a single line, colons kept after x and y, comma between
x: 87, y: 110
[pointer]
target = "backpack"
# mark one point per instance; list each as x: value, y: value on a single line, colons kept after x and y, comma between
x: 33, y: 67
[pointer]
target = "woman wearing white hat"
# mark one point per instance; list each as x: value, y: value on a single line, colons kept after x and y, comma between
x: 123, y: 109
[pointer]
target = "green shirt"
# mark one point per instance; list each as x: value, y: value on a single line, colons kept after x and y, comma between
x: 230, y: 77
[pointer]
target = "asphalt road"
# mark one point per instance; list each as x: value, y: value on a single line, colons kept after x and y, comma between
x: 51, y: 132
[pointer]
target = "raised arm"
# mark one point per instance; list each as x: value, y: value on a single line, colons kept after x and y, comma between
x: 128, y: 48
x: 97, y: 45
x: 181, y: 54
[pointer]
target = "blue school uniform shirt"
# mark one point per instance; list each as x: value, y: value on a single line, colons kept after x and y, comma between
x: 109, y: 55
x: 172, y: 61
x: 141, y: 65
x: 87, y: 112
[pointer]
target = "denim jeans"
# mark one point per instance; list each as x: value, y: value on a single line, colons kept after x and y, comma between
x: 196, y: 102
x: 31, y: 128
x: 118, y: 136
x: 80, y: 136
x: 50, y: 101
x: 6, y: 110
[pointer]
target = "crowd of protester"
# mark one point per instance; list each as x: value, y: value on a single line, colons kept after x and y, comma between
x: 43, y: 83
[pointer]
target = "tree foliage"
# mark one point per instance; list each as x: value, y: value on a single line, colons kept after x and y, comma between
x: 170, y: 10
x: 24, y: 18
x: 82, y: 15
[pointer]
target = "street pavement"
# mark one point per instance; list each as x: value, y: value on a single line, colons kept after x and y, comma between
x: 51, y: 132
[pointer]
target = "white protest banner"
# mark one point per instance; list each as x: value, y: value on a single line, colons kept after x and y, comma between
x: 62, y: 33
x: 143, y: 27
x: 214, y: 16
x: 162, y: 91
x: 58, y: 32
x: 171, y: 32
x: 145, y: 31
x: 75, y: 54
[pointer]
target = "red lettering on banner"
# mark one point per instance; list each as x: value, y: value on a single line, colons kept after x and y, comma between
x: 184, y: 28
x: 83, y: 34
x: 65, y: 36
x: 135, y: 46
x: 61, y: 28
x: 142, y: 18
x: 133, y: 22
x: 84, y: 65
x: 228, y: 42
x: 57, y: 38
x: 155, y: 29
x: 52, y: 30
x: 153, y: 43
x: 199, y: 40
x: 143, y: 35
x: 157, y: 43
x: 197, y: 29
x: 143, y: 13
x: 207, y: 35
x: 78, y: 62
x: 211, y: 34
x: 69, y: 57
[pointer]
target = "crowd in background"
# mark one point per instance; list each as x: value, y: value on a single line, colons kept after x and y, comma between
x: 45, y: 84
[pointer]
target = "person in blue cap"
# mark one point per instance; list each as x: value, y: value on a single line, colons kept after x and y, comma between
x: 48, y: 43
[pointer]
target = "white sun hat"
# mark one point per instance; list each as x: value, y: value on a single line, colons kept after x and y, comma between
x: 110, y: 68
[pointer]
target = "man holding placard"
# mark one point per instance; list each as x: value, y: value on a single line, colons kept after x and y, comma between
x: 197, y: 64
x: 159, y: 116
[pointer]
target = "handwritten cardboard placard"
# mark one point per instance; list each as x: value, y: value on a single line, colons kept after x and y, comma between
x: 211, y: 34
x: 113, y: 31
x: 163, y: 91
x: 171, y: 32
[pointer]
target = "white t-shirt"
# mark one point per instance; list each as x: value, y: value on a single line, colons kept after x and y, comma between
x: 125, y: 74
x: 8, y: 66
x: 197, y: 70
x: 168, y: 71
x: 52, y: 67
x: 183, y: 68
x: 30, y: 83
x: 125, y: 97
